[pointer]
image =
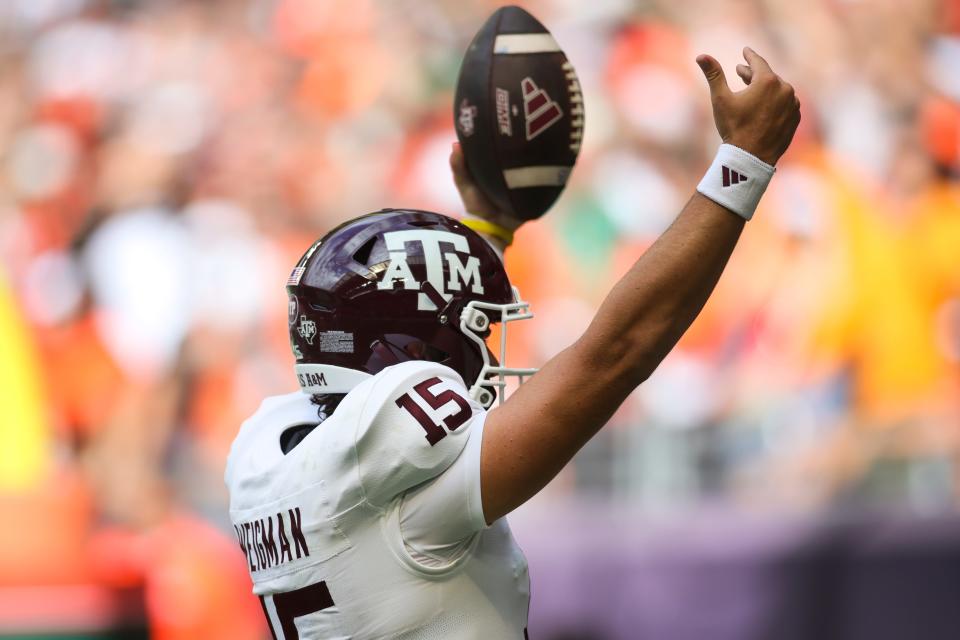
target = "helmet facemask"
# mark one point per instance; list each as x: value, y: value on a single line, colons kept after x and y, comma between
x: 475, y: 321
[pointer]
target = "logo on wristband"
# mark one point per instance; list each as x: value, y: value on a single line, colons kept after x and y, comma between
x: 732, y: 177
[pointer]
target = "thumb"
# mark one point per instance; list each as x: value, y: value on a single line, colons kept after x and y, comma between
x: 714, y: 75
x: 458, y: 164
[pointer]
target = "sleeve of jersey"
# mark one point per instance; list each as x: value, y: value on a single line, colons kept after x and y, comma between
x: 415, y: 424
x: 438, y: 517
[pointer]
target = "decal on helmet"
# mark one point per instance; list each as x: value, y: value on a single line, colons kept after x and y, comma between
x: 462, y: 274
x: 292, y: 308
x: 336, y: 341
x: 307, y: 329
x: 295, y: 276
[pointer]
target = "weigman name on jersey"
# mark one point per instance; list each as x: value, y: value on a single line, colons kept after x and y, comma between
x: 462, y: 273
x: 263, y: 549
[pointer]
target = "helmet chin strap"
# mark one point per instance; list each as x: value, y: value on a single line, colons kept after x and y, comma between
x: 327, y: 378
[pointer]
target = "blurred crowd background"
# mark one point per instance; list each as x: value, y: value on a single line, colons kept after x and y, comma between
x: 163, y: 165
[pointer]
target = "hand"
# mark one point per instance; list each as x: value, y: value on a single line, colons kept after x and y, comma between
x: 474, y: 201
x: 762, y: 118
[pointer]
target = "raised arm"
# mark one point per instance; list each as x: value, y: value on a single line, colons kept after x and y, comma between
x: 529, y: 438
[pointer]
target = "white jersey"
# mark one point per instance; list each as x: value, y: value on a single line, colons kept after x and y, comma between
x: 372, y: 526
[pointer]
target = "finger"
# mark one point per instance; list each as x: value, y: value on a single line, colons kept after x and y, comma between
x: 756, y: 62
x: 713, y: 72
x: 458, y: 164
x: 456, y: 156
x: 745, y: 73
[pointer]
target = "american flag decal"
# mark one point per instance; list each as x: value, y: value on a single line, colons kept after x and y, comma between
x: 295, y: 276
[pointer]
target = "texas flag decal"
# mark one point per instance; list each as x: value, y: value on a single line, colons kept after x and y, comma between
x: 539, y: 111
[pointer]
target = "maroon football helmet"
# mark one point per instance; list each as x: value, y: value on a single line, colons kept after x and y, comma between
x: 399, y: 285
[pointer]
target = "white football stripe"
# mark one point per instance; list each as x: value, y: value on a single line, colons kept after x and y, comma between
x: 525, y: 43
x: 536, y: 176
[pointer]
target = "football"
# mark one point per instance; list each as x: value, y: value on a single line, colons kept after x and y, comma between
x: 518, y: 111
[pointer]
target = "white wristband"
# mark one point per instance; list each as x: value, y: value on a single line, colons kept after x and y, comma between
x: 736, y: 180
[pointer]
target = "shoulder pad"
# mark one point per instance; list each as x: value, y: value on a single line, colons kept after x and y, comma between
x: 413, y: 426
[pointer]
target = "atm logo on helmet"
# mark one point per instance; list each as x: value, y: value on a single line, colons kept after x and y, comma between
x: 460, y: 273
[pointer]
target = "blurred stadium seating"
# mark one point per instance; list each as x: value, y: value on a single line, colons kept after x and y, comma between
x: 162, y: 164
